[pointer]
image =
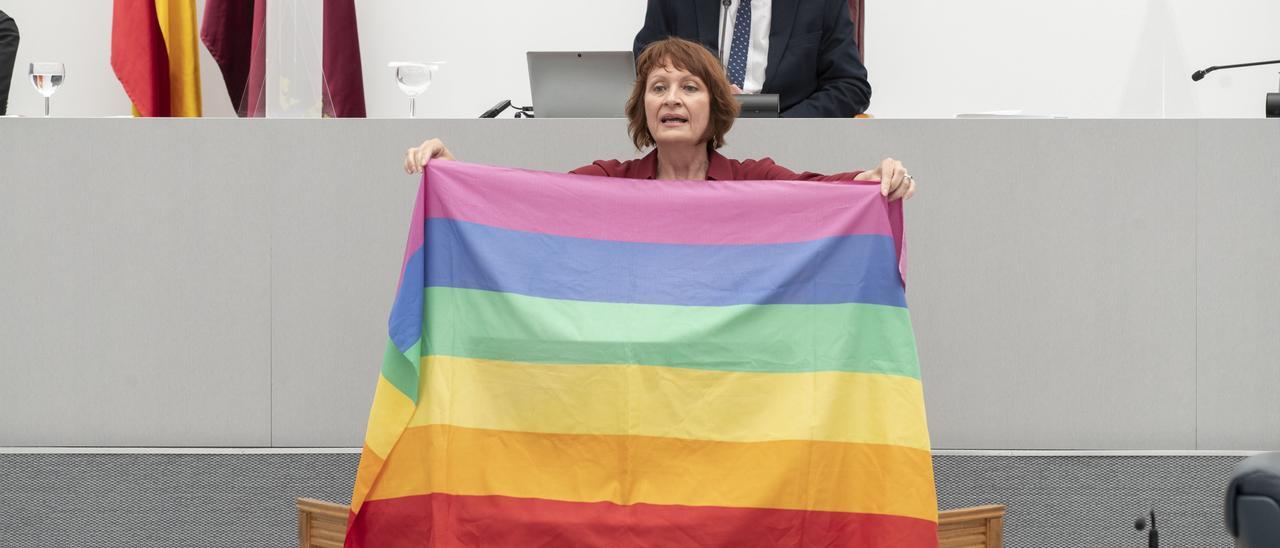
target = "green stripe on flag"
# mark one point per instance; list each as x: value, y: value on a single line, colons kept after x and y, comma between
x: 775, y: 338
x: 401, y: 370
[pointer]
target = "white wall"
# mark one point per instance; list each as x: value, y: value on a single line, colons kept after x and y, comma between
x: 1079, y: 58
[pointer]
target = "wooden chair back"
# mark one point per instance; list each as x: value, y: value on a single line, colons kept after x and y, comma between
x: 976, y: 527
x: 321, y: 524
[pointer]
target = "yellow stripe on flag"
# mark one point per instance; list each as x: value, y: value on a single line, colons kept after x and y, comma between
x: 672, y: 402
x: 391, y: 410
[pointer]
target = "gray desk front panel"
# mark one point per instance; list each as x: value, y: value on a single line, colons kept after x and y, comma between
x: 1238, y: 289
x: 134, y: 286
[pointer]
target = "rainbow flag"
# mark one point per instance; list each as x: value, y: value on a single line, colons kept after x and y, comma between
x: 583, y: 361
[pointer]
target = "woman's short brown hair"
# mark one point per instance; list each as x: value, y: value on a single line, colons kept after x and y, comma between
x: 689, y: 56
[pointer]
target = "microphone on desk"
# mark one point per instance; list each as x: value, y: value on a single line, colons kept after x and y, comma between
x: 1200, y: 74
x: 1272, y: 107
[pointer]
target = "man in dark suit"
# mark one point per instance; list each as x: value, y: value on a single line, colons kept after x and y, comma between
x: 8, y: 53
x: 805, y: 51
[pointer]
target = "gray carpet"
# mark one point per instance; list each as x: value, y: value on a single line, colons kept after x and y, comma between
x: 112, y: 500
x: 1087, y: 502
x: 218, y: 500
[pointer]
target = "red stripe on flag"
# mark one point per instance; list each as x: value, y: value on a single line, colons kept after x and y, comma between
x: 138, y: 55
x: 441, y: 520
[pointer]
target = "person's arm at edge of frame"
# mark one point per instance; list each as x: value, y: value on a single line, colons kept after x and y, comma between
x: 9, y: 40
x: 843, y: 90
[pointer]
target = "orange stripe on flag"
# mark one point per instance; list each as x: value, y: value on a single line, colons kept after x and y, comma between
x: 798, y: 475
x: 366, y: 475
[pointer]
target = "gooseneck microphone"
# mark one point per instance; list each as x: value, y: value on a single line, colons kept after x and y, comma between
x: 1153, y: 535
x: 1200, y: 74
x: 724, y: 20
x: 1272, y: 106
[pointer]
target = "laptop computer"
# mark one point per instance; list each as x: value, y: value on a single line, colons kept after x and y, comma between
x: 581, y: 84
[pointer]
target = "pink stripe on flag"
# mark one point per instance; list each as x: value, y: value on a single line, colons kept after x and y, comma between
x: 704, y: 212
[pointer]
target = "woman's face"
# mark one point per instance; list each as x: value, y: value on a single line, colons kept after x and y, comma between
x: 677, y: 107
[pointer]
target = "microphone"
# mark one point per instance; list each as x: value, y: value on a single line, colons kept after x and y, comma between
x: 1200, y: 74
x: 724, y: 20
x: 1153, y: 535
x: 1273, y: 99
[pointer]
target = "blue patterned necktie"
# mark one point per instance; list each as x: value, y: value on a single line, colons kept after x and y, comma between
x: 741, y: 42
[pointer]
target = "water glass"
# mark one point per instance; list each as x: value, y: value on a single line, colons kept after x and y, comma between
x: 413, y: 79
x: 46, y: 77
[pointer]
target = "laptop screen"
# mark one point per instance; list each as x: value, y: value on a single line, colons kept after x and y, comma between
x: 586, y: 84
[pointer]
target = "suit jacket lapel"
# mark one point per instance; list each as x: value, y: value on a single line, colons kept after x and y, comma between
x: 782, y: 21
x: 708, y: 17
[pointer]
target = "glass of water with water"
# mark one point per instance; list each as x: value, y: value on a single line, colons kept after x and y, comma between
x: 46, y: 77
x: 413, y: 79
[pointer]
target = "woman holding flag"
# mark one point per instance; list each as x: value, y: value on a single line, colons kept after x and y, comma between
x: 657, y: 368
x: 682, y: 105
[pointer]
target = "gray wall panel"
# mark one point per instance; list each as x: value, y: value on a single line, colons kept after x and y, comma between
x: 134, y: 301
x: 1238, y: 252
x: 1052, y: 286
x: 337, y: 241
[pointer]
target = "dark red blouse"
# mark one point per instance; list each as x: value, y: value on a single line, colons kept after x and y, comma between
x: 719, y: 168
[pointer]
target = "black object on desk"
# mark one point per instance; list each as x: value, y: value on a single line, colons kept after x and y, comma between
x: 497, y: 109
x: 757, y: 105
x: 526, y: 112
